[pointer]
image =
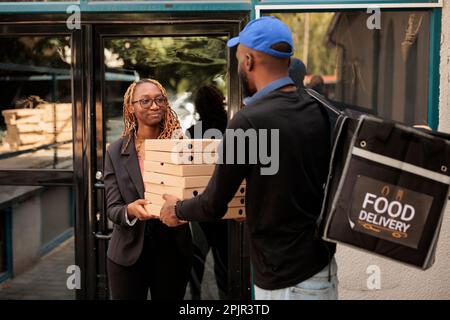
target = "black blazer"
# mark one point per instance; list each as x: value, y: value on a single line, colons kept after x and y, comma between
x: 123, y: 185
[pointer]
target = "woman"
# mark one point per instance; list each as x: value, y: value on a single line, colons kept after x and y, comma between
x: 143, y: 253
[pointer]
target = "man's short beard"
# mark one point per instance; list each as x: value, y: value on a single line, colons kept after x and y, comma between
x: 246, y: 91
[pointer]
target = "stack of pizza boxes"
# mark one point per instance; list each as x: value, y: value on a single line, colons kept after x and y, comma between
x: 23, y: 128
x: 47, y: 123
x: 57, y: 122
x: 183, y: 168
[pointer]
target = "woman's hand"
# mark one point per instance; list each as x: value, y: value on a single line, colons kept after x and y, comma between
x: 136, y: 209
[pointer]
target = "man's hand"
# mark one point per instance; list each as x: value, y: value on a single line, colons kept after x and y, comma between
x: 136, y: 210
x: 167, y: 214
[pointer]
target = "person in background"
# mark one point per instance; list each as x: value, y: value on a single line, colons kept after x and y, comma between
x: 209, y: 103
x: 289, y: 258
x: 297, y: 72
x: 143, y: 253
x: 318, y: 84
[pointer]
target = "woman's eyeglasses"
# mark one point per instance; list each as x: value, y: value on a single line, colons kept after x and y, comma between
x: 148, y: 102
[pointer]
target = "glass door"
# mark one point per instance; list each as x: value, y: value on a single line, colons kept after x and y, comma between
x: 184, y: 57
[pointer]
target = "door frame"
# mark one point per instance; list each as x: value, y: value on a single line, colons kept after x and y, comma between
x: 135, y: 25
x: 86, y: 100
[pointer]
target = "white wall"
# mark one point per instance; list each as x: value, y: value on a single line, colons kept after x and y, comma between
x: 444, y: 114
x: 397, y: 280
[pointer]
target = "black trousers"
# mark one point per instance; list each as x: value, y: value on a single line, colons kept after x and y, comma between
x: 163, y: 267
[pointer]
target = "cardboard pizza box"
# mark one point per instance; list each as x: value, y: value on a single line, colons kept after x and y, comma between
x: 25, y: 112
x: 14, y: 132
x: 235, y: 213
x: 232, y: 213
x: 58, y: 126
x: 23, y: 116
x: 155, y: 198
x: 185, y: 170
x: 181, y: 157
x: 25, y: 127
x: 15, y: 147
x: 56, y: 111
x: 23, y: 138
x: 11, y: 119
x: 182, y: 145
x: 176, y: 191
x: 182, y: 182
x: 183, y: 193
x: 237, y: 202
x: 152, y: 209
x: 58, y: 137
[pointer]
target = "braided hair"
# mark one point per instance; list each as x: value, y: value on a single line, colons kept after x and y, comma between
x: 170, y: 126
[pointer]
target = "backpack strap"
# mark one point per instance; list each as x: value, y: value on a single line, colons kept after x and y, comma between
x: 336, y: 120
x: 334, y: 115
x: 317, y: 96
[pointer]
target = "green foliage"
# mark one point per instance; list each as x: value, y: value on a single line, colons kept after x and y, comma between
x: 34, y: 51
x: 180, y: 63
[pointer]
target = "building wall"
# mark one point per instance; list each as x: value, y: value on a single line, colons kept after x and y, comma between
x: 26, y: 233
x: 444, y: 114
x: 55, y: 208
x: 399, y: 281
x: 40, y: 221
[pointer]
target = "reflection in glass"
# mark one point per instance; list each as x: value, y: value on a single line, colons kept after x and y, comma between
x: 181, y: 64
x: 36, y: 103
x: 41, y: 241
x: 383, y: 72
x: 3, y: 243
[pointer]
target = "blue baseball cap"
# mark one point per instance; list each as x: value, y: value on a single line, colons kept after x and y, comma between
x: 262, y: 33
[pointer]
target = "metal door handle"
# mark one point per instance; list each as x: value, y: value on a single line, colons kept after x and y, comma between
x: 101, y: 236
x: 99, y: 175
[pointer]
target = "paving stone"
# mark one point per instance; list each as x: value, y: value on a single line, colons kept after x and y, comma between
x: 44, y: 281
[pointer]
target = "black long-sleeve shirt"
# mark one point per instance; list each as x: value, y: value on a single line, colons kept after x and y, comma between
x: 282, y: 208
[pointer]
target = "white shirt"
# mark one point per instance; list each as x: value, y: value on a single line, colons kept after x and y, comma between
x: 132, y: 222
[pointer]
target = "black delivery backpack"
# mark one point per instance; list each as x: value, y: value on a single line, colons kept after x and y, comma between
x: 387, y: 189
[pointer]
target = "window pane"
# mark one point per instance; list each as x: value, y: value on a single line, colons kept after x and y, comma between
x: 42, y: 241
x: 36, y: 103
x: 3, y: 243
x: 180, y: 64
x: 381, y: 71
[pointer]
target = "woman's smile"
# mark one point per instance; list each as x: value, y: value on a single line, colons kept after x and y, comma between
x: 154, y: 114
